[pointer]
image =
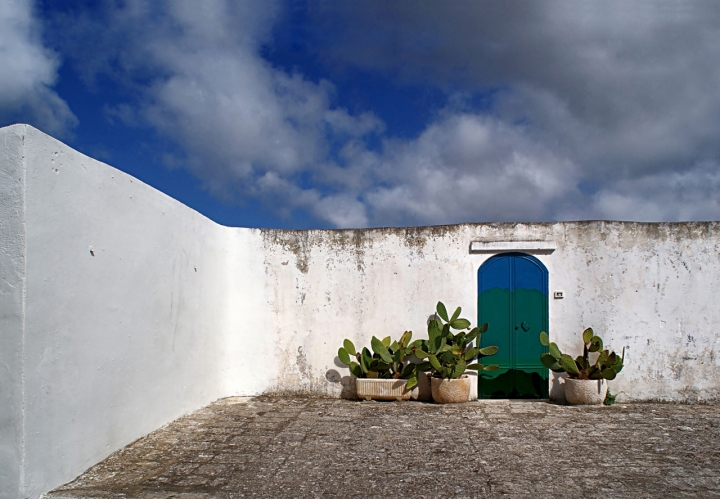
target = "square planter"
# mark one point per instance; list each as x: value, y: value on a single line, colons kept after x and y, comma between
x: 382, y: 389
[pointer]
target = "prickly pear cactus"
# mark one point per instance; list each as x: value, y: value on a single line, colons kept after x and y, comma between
x: 446, y: 354
x: 607, y: 364
x: 449, y: 354
x: 387, y: 360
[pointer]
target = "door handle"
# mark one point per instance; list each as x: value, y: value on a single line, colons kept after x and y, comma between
x: 524, y: 327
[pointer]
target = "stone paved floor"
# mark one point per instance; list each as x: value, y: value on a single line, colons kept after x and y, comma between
x: 283, y: 447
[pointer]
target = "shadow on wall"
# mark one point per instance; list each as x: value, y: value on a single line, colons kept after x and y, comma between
x: 347, y: 383
x: 557, y: 387
x: 348, y: 390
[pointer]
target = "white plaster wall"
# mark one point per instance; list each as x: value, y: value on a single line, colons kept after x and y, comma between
x: 650, y: 288
x: 325, y: 286
x: 129, y: 311
x: 12, y: 278
x: 646, y: 287
x: 249, y: 342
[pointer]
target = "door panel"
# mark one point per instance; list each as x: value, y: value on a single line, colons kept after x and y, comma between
x: 496, y: 308
x: 512, y: 299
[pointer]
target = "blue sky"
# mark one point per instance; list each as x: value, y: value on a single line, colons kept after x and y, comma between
x: 320, y: 114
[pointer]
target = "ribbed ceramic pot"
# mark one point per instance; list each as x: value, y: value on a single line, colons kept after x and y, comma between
x: 382, y: 389
x: 585, y: 391
x: 450, y: 391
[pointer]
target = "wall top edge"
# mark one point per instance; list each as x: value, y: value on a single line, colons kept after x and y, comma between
x: 704, y: 225
x: 713, y: 226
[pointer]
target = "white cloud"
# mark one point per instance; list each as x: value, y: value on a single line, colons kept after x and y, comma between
x: 249, y: 130
x: 29, y: 71
x: 690, y: 194
x: 470, y: 168
x: 625, y: 92
x: 599, y: 110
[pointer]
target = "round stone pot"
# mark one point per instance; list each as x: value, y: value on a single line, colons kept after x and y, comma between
x: 450, y: 391
x: 585, y: 391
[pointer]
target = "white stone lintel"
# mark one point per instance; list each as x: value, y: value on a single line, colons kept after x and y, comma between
x: 495, y: 246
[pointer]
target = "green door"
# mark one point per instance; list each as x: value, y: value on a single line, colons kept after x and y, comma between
x: 513, y: 300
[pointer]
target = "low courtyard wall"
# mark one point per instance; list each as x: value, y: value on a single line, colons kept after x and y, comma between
x: 122, y: 309
x: 647, y: 287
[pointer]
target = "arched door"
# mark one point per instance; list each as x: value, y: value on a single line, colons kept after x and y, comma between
x: 513, y: 300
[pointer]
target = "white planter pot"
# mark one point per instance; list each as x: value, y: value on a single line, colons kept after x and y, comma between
x: 450, y: 391
x: 382, y: 389
x: 585, y: 391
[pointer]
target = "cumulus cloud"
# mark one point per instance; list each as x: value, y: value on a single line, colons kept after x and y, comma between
x: 251, y: 131
x: 471, y: 167
x: 29, y: 71
x: 597, y: 110
x: 624, y: 91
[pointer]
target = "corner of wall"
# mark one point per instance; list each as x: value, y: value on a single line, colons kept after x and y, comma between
x: 12, y: 308
x: 249, y: 364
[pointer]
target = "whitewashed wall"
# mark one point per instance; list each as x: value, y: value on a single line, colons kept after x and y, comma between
x: 12, y: 309
x: 647, y: 287
x: 122, y: 309
x: 127, y: 313
x: 652, y: 289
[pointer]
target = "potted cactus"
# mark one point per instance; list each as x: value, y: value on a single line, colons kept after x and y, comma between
x: 586, y: 383
x: 450, y: 355
x: 383, y: 373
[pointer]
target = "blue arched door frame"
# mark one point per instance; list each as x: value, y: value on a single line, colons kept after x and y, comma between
x: 513, y: 300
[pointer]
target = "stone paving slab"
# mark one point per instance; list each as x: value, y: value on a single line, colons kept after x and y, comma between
x: 304, y: 447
